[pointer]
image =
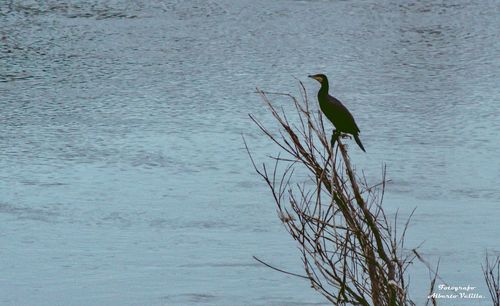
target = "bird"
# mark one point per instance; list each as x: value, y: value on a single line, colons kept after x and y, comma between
x: 336, y: 112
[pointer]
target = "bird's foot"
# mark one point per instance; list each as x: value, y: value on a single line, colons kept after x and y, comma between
x: 334, y: 138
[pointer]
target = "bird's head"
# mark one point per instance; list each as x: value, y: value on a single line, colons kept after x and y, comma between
x: 321, y: 78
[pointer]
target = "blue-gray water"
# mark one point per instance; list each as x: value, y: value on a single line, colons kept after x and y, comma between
x: 124, y: 180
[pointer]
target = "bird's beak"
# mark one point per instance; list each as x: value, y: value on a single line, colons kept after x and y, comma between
x: 314, y: 77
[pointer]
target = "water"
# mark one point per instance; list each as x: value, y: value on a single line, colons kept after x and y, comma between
x: 124, y: 180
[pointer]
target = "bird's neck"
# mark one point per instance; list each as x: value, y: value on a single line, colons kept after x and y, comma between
x: 323, y: 91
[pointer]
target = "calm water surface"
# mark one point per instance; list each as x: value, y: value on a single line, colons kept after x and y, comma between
x: 124, y: 180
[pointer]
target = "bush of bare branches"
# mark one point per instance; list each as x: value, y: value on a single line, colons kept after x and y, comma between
x: 491, y: 271
x: 351, y: 251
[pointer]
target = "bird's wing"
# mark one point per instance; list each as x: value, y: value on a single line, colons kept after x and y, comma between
x: 341, y: 117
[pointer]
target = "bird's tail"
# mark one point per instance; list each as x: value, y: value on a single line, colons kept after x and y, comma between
x: 358, y: 141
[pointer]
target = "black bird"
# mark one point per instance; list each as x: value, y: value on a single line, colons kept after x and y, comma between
x: 336, y: 112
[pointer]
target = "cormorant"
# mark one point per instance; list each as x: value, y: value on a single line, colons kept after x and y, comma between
x: 336, y: 112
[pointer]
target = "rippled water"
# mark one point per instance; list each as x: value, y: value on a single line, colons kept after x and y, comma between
x: 123, y: 176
